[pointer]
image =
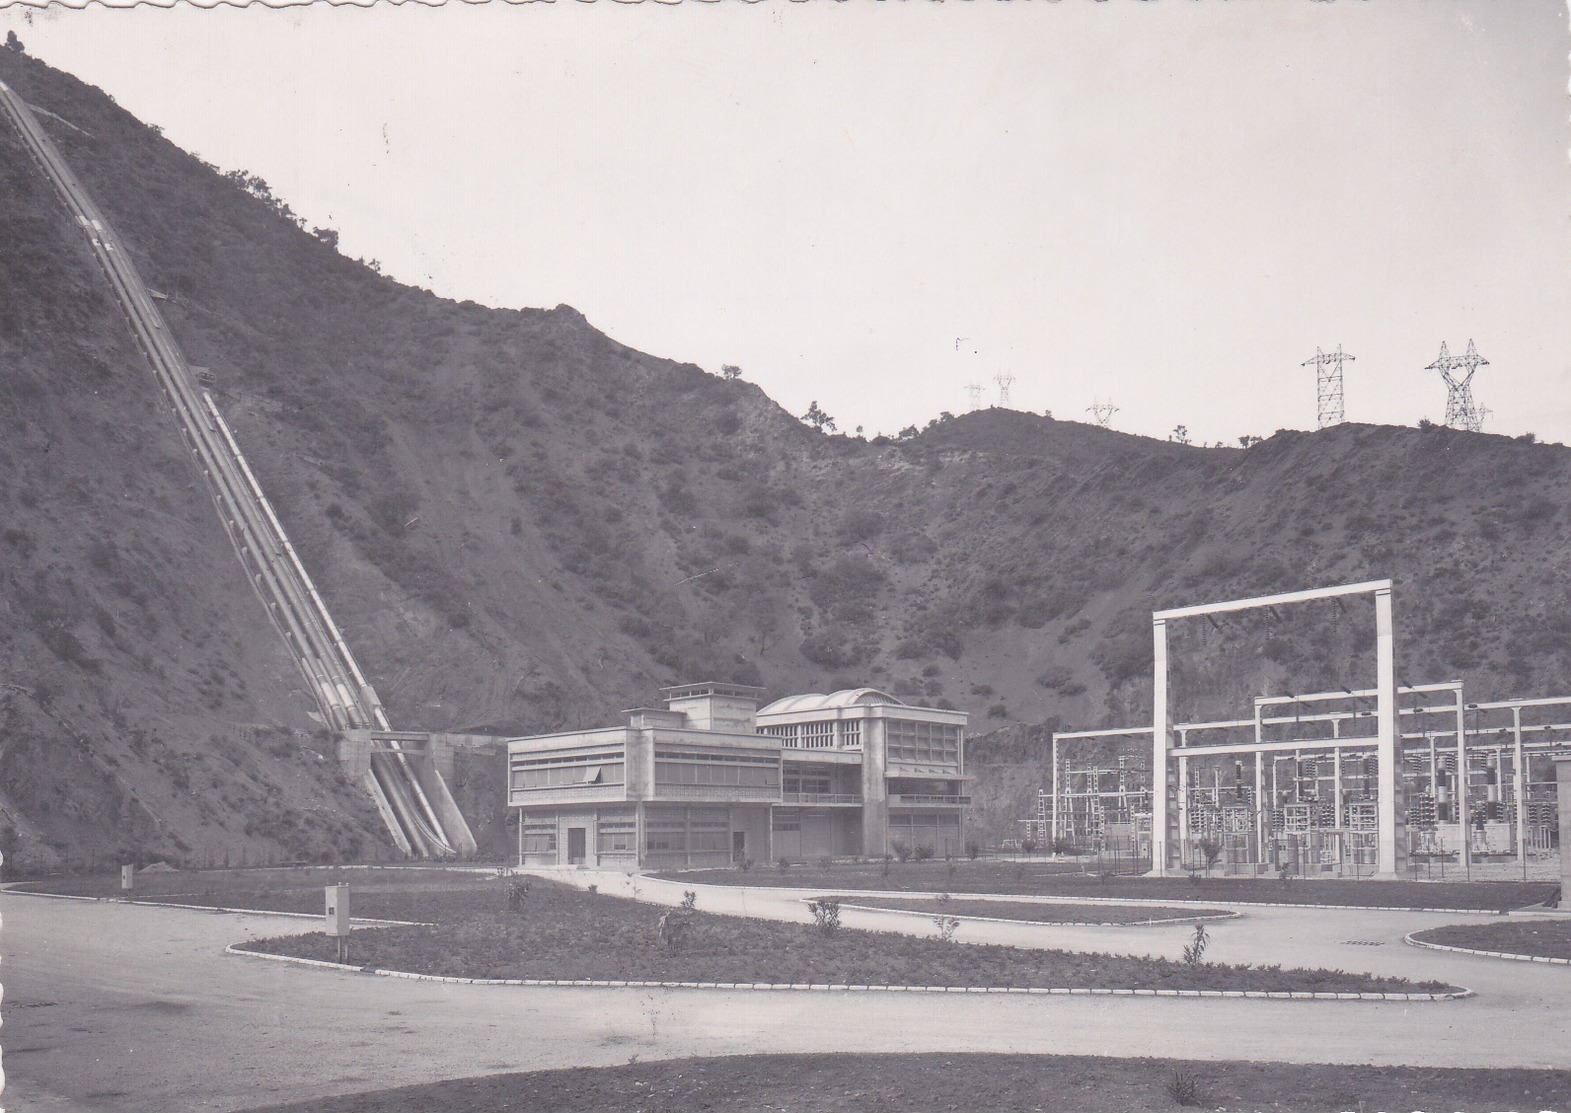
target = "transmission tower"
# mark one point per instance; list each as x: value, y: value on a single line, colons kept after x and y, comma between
x: 1102, y: 411
x: 1458, y: 371
x: 1003, y: 379
x: 975, y: 391
x: 1328, y: 386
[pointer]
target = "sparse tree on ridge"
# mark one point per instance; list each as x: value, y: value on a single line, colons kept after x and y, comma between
x: 818, y: 419
x: 731, y: 371
x: 1180, y: 434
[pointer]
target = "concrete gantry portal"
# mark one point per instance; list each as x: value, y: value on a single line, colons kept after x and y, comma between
x: 1162, y: 827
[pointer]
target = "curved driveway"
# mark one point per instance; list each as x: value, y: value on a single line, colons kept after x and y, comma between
x: 118, y: 1007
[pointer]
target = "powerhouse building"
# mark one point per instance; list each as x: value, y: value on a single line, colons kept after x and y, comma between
x: 712, y: 778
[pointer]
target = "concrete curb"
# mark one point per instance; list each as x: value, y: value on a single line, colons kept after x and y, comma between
x: 963, y: 917
x: 1412, y: 940
x: 210, y: 908
x: 1044, y: 898
x: 586, y: 983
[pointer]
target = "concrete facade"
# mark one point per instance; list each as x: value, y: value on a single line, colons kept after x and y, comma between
x: 711, y: 779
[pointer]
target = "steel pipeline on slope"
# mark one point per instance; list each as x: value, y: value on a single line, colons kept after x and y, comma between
x: 291, y: 600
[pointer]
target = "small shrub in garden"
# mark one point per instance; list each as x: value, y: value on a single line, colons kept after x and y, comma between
x: 826, y: 915
x: 745, y: 864
x: 1028, y: 845
x: 946, y: 926
x: 591, y: 889
x: 1285, y: 876
x: 825, y: 862
x: 673, y: 926
x: 782, y: 864
x: 1195, y: 949
x: 517, y: 893
x: 689, y: 900
x: 973, y: 850
x: 1184, y: 1088
x: 902, y: 849
x: 922, y: 853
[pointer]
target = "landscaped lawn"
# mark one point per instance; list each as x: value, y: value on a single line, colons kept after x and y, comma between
x: 940, y: 1083
x: 565, y: 933
x: 1124, y: 914
x: 1051, y: 879
x: 1545, y: 938
x: 393, y: 893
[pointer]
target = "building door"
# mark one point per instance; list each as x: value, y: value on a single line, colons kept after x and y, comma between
x: 738, y: 847
x: 575, y: 845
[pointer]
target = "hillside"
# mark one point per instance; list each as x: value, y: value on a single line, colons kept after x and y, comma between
x: 523, y: 525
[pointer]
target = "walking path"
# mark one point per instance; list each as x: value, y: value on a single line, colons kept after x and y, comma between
x: 119, y: 1007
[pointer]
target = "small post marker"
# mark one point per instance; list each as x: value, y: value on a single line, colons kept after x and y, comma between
x: 127, y: 878
x: 338, y: 918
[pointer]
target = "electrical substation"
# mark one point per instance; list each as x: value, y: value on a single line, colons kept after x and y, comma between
x: 1392, y: 780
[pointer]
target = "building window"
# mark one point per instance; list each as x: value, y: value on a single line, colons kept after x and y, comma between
x: 917, y: 743
x: 681, y: 767
x: 617, y: 834
x: 851, y: 734
x: 540, y: 836
x: 665, y: 833
x: 568, y: 770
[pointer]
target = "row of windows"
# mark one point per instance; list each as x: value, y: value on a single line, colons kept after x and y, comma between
x: 556, y: 776
x: 923, y: 743
x: 923, y: 819
x: 728, y: 758
x: 817, y: 736
x: 716, y: 773
x: 617, y: 836
x: 674, y: 834
x: 799, y: 783
x: 595, y: 758
x: 540, y: 838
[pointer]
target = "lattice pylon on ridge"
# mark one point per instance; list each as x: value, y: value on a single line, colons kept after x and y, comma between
x: 1458, y: 371
x: 1329, y: 408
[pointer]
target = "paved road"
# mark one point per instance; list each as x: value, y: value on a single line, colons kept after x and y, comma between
x: 116, y: 1007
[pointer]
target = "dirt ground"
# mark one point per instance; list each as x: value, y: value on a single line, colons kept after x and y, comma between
x: 944, y: 1083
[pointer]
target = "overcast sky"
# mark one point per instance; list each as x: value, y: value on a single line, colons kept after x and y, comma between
x: 1164, y: 205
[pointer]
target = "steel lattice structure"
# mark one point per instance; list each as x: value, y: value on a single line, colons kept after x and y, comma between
x: 1458, y: 371
x: 1328, y: 381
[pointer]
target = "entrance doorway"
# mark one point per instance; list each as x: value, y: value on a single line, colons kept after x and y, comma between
x: 738, y: 847
x: 576, y: 842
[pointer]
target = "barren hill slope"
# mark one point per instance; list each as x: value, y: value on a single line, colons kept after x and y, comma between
x: 523, y: 524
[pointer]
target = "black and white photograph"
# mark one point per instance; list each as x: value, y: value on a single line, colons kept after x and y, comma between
x: 785, y: 556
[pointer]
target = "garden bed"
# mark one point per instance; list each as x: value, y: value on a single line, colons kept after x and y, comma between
x: 1533, y: 938
x: 940, y: 1083
x: 1129, y: 915
x: 1036, y: 879
x: 563, y: 933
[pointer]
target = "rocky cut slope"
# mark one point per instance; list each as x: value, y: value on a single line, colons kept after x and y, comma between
x: 524, y: 525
